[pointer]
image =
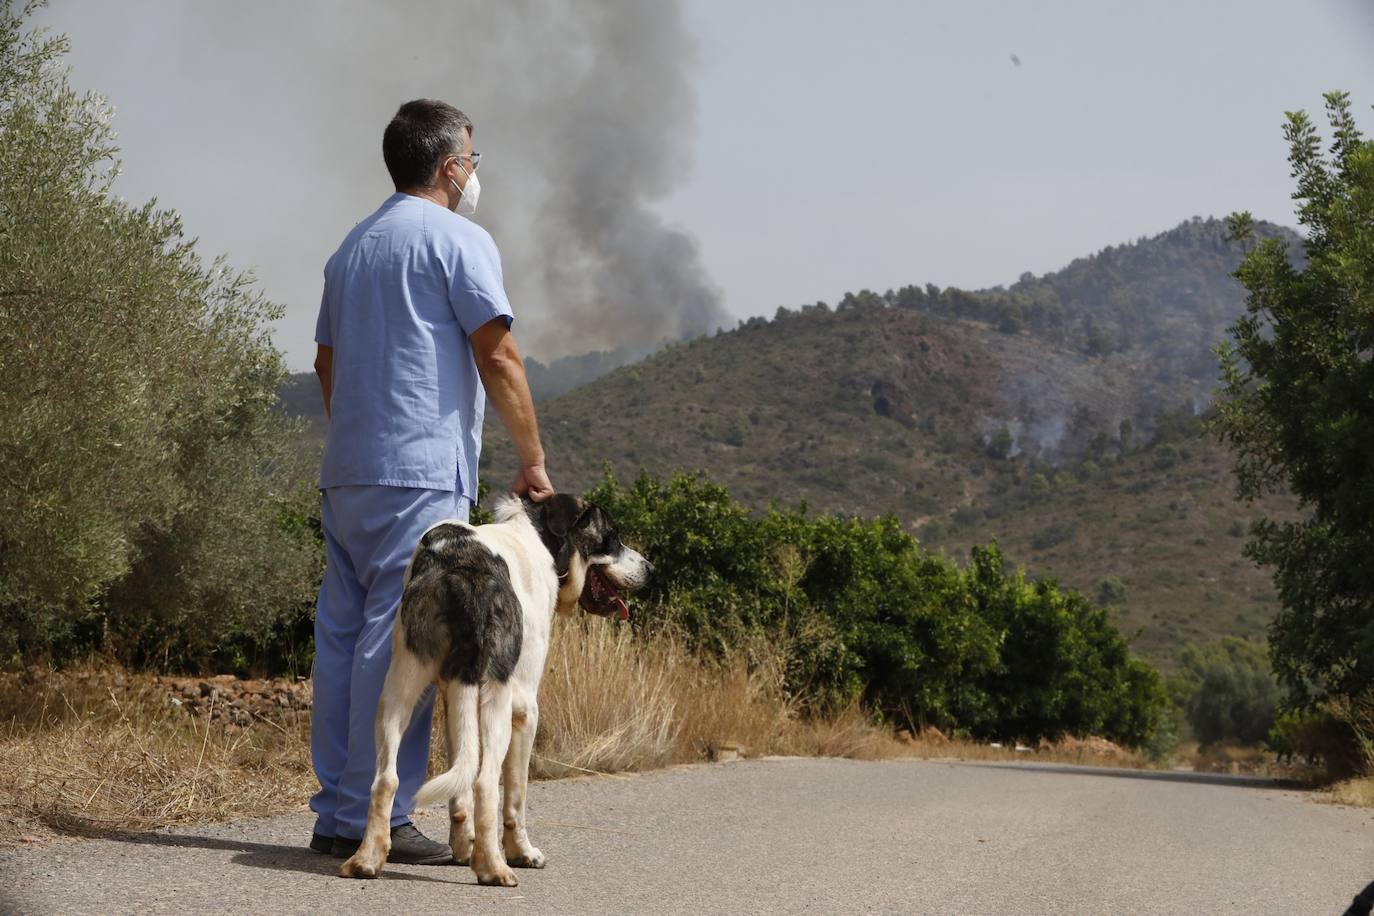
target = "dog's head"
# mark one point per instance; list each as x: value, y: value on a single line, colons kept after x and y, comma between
x: 593, y: 566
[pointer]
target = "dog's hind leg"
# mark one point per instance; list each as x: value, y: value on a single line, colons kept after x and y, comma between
x: 460, y: 829
x: 515, y: 840
x: 487, y: 860
x: 406, y: 679
x: 461, y: 737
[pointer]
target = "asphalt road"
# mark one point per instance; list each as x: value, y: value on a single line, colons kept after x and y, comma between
x: 782, y: 836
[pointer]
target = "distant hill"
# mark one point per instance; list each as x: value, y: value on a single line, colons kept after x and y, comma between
x: 563, y: 375
x: 1057, y: 416
x: 1083, y: 457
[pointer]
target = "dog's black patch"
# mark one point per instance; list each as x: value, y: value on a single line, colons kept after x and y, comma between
x: 460, y: 606
x: 567, y: 524
x: 555, y: 519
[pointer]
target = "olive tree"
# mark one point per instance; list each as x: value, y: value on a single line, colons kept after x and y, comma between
x: 138, y: 429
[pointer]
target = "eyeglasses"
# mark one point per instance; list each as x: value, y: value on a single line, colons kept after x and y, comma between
x: 475, y: 159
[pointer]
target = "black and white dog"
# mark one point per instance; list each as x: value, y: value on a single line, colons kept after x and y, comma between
x: 476, y: 616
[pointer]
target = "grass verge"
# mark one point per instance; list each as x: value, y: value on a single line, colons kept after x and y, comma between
x: 1358, y: 792
x: 98, y: 749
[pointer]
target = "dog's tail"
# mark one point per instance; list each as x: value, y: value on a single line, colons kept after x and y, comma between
x: 461, y: 716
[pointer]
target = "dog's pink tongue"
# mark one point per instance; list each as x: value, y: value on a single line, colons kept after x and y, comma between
x: 624, y: 608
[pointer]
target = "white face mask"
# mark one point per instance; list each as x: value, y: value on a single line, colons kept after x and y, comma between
x: 467, y: 203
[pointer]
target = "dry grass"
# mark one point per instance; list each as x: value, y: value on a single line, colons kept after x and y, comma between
x: 98, y: 749
x: 1357, y: 792
x: 1233, y: 759
x: 610, y: 702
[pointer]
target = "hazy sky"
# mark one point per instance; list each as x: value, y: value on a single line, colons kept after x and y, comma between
x: 832, y: 146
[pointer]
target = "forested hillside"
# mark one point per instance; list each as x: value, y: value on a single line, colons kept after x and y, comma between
x: 1069, y: 431
x: 1059, y: 416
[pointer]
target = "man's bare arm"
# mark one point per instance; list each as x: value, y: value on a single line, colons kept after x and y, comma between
x: 503, y: 375
x: 324, y: 368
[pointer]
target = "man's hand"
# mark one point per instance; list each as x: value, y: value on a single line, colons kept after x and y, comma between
x: 533, y: 481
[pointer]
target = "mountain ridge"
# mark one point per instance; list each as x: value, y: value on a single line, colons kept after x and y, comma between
x: 1058, y: 416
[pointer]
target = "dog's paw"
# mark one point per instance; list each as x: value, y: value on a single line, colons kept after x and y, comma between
x: 462, y: 848
x: 499, y: 877
x: 531, y: 859
x: 357, y: 867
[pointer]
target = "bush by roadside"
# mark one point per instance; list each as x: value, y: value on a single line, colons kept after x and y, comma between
x: 857, y: 610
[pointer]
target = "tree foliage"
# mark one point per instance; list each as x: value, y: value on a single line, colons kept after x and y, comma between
x: 1230, y: 693
x: 860, y: 609
x: 1298, y: 410
x: 144, y: 488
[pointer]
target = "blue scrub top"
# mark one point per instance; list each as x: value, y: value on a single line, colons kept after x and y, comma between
x: 401, y: 295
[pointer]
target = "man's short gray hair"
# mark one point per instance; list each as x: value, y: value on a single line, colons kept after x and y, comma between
x: 420, y: 135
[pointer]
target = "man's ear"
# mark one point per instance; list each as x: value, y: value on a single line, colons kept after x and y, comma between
x: 560, y: 516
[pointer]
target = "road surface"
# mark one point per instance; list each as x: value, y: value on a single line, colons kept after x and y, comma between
x: 782, y: 835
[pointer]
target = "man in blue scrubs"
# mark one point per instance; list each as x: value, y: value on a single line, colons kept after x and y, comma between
x: 414, y: 337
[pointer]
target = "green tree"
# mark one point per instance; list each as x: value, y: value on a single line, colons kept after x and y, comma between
x: 1232, y: 695
x: 999, y: 446
x: 1297, y: 408
x: 1062, y: 665
x: 146, y: 481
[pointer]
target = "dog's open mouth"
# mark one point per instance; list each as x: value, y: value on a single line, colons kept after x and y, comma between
x: 600, y: 597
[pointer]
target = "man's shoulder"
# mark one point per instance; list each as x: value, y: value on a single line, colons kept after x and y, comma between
x: 452, y: 232
x: 391, y: 217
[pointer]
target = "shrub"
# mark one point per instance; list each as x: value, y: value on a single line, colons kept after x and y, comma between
x: 999, y: 446
x: 858, y: 610
x: 1166, y: 455
x: 1232, y: 692
x: 965, y: 516
x: 1110, y: 590
x: 1327, y: 735
x: 1052, y: 535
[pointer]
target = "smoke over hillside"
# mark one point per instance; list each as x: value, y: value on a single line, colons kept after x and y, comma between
x: 262, y: 123
x: 602, y: 108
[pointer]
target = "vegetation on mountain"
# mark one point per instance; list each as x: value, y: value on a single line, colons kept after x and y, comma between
x: 1298, y: 409
x: 1090, y: 467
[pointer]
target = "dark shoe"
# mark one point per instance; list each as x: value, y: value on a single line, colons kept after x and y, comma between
x: 408, y: 847
x: 344, y: 848
x: 411, y: 847
x: 321, y: 843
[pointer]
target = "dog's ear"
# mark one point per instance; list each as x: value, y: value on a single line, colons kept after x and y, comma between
x: 558, y: 517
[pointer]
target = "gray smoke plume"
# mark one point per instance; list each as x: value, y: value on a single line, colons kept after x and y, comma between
x: 261, y: 122
x: 605, y: 117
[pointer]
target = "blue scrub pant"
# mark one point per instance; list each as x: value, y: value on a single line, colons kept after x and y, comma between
x: 370, y: 533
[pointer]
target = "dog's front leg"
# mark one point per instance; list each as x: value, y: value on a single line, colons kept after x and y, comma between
x: 515, y: 840
x: 367, y: 862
